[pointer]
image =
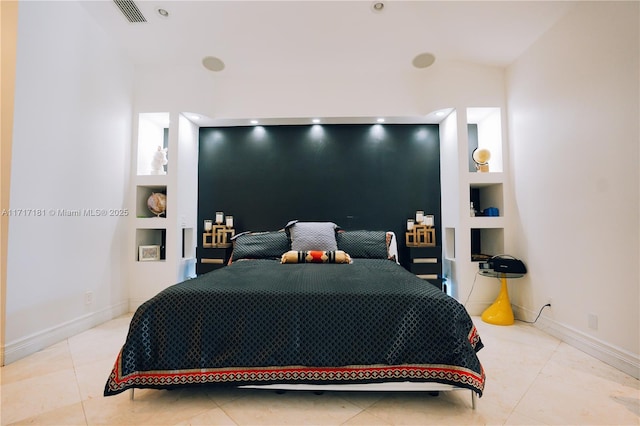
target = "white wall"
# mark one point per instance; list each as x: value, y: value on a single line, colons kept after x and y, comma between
x: 573, y: 120
x: 71, y: 151
x: 269, y: 94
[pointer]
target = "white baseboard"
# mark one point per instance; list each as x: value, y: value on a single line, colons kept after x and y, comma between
x: 616, y: 357
x: 25, y: 346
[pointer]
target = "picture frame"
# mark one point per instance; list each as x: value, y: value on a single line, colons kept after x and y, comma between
x: 148, y: 253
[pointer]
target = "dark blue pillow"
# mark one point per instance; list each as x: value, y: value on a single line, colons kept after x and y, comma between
x: 260, y: 245
x: 363, y: 244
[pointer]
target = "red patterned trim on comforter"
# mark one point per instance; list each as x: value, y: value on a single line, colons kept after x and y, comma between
x: 295, y: 374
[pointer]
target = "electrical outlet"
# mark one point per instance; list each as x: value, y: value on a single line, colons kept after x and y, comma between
x: 88, y: 298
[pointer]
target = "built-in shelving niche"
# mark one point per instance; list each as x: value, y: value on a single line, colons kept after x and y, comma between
x: 485, y: 131
x: 143, y: 192
x: 153, y: 133
x: 486, y: 195
x: 486, y: 242
x: 151, y: 237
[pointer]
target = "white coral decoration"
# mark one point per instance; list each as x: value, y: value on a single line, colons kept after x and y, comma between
x: 158, y: 162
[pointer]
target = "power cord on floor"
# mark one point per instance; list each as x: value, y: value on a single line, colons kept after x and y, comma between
x: 539, y: 313
x: 528, y: 322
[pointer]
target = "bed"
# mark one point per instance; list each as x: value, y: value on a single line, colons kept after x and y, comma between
x: 280, y: 314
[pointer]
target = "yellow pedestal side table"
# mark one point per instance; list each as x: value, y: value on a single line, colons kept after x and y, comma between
x: 503, y: 267
x: 500, y: 312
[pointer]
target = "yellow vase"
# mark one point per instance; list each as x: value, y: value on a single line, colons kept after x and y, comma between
x: 500, y: 312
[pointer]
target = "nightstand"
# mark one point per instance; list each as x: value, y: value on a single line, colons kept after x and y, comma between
x: 426, y: 263
x: 213, y: 258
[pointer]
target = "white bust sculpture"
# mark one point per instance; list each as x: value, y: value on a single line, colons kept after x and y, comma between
x: 158, y: 162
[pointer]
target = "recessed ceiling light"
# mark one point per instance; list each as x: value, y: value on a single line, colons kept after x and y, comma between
x: 162, y: 12
x: 315, y: 120
x: 212, y: 63
x: 377, y: 6
x: 423, y: 60
x: 254, y: 122
x: 380, y: 120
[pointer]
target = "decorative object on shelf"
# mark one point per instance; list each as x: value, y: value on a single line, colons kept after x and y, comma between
x: 218, y: 235
x: 421, y: 233
x: 503, y: 267
x: 148, y: 253
x: 481, y: 158
x: 472, y: 210
x: 428, y: 220
x: 157, y: 203
x: 158, y: 161
x: 491, y: 211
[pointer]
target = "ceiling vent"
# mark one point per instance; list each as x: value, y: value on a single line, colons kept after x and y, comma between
x: 130, y: 10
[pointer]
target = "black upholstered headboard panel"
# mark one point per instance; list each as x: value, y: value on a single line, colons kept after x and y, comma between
x: 358, y: 176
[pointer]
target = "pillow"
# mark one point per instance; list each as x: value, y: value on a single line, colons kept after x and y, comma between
x: 364, y: 244
x: 315, y: 256
x: 260, y: 245
x: 307, y: 236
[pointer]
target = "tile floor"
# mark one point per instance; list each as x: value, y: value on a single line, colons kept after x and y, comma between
x: 532, y: 378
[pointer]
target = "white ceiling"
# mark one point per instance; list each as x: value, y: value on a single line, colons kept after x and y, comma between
x: 347, y: 36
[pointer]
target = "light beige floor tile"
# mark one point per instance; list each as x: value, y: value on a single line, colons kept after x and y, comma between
x: 150, y: 407
x: 517, y: 419
x: 95, y: 344
x: 222, y: 395
x: 554, y: 400
x: 519, y: 334
x: 363, y: 400
x: 532, y: 378
x: 365, y: 419
x: 290, y: 408
x: 450, y: 408
x: 50, y: 360
x: 92, y: 378
x: 584, y: 370
x: 509, y: 372
x: 70, y: 415
x: 38, y: 395
x: 211, y: 417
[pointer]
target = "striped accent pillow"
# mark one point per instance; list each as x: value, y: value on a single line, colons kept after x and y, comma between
x: 315, y: 256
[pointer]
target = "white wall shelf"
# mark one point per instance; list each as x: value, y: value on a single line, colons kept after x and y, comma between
x: 487, y: 241
x: 151, y: 223
x: 489, y: 178
x: 484, y: 222
x: 466, y: 235
x: 486, y: 134
x: 173, y: 231
x: 152, y: 133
